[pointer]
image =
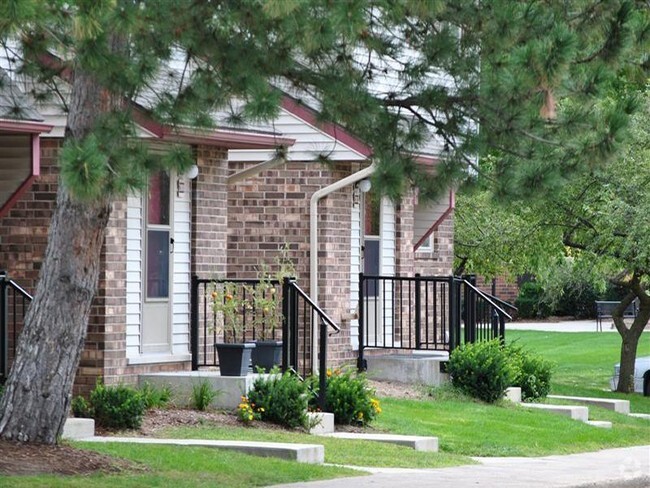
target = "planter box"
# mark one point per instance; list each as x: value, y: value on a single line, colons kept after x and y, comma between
x: 266, y: 355
x: 234, y: 359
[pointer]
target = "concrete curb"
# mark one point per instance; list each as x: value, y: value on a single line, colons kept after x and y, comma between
x: 419, y: 443
x: 574, y: 412
x: 302, y: 453
x: 614, y: 404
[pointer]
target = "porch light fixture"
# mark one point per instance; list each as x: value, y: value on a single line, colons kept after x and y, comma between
x: 190, y: 174
x: 365, y: 185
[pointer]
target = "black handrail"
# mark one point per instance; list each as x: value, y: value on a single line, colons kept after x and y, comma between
x: 321, y: 313
x: 20, y: 301
x: 486, y: 297
x: 292, y: 333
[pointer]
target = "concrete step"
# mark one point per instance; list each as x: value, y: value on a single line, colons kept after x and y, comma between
x: 303, y: 453
x: 419, y: 443
x: 572, y: 411
x: 603, y: 424
x: 620, y: 406
x: 76, y: 429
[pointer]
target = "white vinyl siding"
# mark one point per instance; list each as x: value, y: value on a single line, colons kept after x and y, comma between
x: 355, y: 269
x: 425, y: 215
x: 387, y: 264
x: 310, y: 143
x: 181, y: 280
x: 134, y: 244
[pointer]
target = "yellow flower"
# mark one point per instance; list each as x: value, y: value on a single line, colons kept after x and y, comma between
x: 261, y: 409
x: 250, y: 417
x: 360, y: 415
x: 329, y: 373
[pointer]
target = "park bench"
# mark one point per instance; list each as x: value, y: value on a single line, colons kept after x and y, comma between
x: 604, y: 310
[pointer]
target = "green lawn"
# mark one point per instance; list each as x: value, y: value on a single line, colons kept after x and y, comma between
x: 584, y: 361
x: 186, y: 467
x: 476, y: 429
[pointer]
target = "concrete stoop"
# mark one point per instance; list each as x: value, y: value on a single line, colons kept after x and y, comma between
x: 419, y: 443
x: 302, y: 453
x: 229, y: 388
x: 422, y: 368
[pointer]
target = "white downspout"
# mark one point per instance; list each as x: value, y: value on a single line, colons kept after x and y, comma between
x: 313, y: 242
x: 258, y: 168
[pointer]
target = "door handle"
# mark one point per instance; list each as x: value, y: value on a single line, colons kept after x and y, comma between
x: 171, y: 245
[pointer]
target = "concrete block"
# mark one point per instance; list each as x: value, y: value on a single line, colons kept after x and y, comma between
x: 620, y: 406
x: 75, y: 428
x: 419, y: 443
x: 408, y: 368
x: 640, y: 415
x: 303, y: 453
x: 603, y: 424
x: 513, y: 394
x: 229, y: 388
x: 574, y: 412
x: 322, y: 422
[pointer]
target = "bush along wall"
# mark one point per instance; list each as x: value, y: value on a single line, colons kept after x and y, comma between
x: 484, y: 370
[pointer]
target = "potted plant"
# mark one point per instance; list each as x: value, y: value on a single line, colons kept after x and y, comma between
x: 266, y: 306
x: 229, y: 308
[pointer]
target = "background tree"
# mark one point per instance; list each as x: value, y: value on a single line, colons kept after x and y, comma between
x: 396, y: 73
x: 599, y: 219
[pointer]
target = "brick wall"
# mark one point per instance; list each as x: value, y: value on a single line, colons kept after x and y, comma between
x: 270, y: 211
x: 506, y: 290
x: 209, y: 216
x: 23, y: 238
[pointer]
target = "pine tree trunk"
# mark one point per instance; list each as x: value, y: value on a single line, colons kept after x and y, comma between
x: 39, y: 387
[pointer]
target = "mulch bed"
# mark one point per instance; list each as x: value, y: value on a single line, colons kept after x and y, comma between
x: 31, y: 459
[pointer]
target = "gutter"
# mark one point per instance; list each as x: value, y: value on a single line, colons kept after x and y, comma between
x: 313, y: 239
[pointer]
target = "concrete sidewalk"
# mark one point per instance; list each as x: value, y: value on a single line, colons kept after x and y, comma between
x: 562, y: 326
x: 624, y: 467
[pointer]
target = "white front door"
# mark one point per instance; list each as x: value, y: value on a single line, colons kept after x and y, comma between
x: 157, y: 264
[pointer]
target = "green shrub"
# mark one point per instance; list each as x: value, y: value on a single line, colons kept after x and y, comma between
x: 281, y: 399
x: 155, y: 397
x: 81, y: 408
x: 530, y: 301
x: 348, y: 397
x: 531, y: 373
x: 202, y: 395
x: 117, y: 407
x: 481, y: 370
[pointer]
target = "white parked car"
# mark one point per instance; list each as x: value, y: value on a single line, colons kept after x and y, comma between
x: 641, y: 375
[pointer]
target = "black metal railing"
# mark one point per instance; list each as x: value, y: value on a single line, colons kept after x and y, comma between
x: 298, y: 315
x: 483, y: 319
x: 208, y: 327
x: 14, y: 301
x: 436, y: 313
x: 301, y: 315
